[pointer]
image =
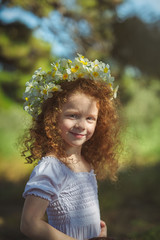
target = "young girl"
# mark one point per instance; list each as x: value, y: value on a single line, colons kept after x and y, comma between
x: 74, y: 134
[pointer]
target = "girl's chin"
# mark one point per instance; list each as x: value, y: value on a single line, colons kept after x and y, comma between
x: 74, y: 144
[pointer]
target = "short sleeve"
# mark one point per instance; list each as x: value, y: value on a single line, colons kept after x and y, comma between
x: 45, y: 180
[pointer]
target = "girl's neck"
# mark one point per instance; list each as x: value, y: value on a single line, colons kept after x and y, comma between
x: 75, y: 161
x: 73, y: 153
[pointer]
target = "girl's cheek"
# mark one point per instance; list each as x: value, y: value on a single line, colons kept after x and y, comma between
x: 92, y: 129
x: 68, y: 123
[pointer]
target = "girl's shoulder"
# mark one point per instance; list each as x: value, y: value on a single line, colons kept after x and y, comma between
x: 48, y: 167
x: 49, y: 162
x: 48, y: 159
x: 46, y: 179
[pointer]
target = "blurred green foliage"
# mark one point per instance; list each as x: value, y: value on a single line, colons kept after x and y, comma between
x: 142, y: 114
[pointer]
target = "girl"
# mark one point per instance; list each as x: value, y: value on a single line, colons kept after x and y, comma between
x: 74, y: 133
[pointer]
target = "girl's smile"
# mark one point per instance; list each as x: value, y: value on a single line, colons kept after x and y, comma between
x: 77, y: 135
x: 78, y: 119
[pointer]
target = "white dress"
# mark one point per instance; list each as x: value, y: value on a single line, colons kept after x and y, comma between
x: 73, y: 200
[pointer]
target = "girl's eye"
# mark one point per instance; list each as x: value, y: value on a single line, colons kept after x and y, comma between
x: 91, y: 119
x: 72, y: 116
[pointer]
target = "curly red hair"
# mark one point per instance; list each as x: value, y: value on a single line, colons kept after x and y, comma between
x: 101, y: 151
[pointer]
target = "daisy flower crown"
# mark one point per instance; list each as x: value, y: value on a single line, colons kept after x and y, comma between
x: 43, y: 84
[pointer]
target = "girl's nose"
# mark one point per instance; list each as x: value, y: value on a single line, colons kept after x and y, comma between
x: 80, y: 124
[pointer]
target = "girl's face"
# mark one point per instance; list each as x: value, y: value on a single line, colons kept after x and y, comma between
x: 78, y: 119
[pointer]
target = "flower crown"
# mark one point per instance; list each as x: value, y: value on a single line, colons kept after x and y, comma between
x: 43, y: 84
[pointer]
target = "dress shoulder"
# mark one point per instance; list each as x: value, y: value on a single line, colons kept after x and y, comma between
x: 46, y: 179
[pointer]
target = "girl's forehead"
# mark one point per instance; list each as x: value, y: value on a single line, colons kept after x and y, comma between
x: 76, y: 96
x: 80, y: 101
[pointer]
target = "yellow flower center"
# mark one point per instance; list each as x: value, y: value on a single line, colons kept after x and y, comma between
x: 65, y: 76
x: 56, y: 64
x: 44, y: 91
x: 54, y: 89
x: 110, y: 84
x: 26, y: 99
x: 53, y: 74
x: 105, y: 70
x: 80, y: 75
x: 95, y: 74
x: 69, y: 61
x: 75, y: 69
